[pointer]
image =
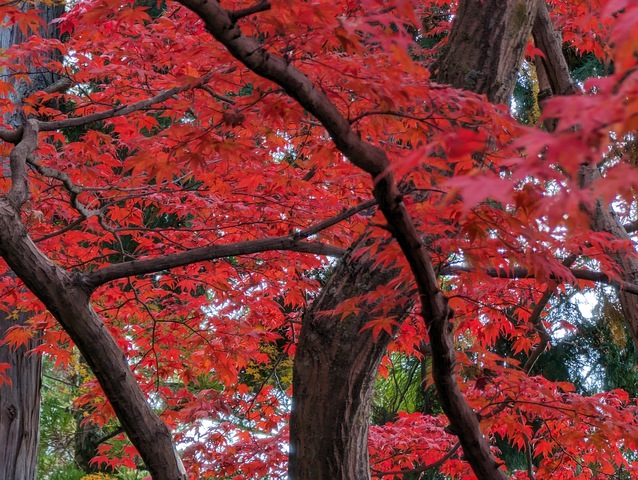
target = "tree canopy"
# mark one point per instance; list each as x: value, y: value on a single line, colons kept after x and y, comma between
x: 235, y: 214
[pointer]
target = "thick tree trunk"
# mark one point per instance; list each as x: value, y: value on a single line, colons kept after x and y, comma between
x: 19, y: 406
x: 333, y: 379
x: 20, y: 401
x: 486, y: 45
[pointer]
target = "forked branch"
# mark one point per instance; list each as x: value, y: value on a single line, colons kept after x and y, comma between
x: 294, y: 242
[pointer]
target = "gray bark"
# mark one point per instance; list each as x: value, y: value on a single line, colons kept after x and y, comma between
x: 20, y: 401
x: 19, y: 406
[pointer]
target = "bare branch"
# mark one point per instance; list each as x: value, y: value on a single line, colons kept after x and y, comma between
x: 519, y: 272
x: 18, y: 160
x: 262, y: 6
x: 73, y: 189
x: 217, y: 96
x: 336, y: 219
x: 70, y: 226
x: 122, y: 110
x: 292, y: 242
x: 14, y: 136
x: 152, y: 265
x: 62, y: 85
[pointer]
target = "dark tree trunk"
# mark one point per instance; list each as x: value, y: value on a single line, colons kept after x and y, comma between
x: 486, y: 45
x: 20, y: 401
x: 333, y: 380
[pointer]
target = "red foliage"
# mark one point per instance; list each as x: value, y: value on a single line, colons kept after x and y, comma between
x: 228, y: 158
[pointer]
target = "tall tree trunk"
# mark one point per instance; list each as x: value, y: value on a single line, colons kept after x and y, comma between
x: 20, y: 401
x: 336, y: 364
x: 19, y: 406
x: 485, y: 47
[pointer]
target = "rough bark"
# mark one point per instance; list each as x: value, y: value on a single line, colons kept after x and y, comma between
x: 602, y: 218
x: 485, y: 47
x: 333, y: 380
x: 19, y: 406
x: 20, y: 401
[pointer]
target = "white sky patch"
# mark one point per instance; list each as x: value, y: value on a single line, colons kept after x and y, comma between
x: 586, y: 302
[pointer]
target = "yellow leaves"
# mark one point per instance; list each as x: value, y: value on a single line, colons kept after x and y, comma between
x: 98, y: 476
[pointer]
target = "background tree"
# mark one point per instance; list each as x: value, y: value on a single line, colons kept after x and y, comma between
x: 20, y: 388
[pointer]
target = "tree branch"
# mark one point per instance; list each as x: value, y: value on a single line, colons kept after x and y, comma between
x: 535, y: 319
x: 631, y: 227
x: 14, y: 136
x: 292, y: 242
x: 336, y: 219
x: 262, y: 6
x: 73, y: 189
x: 519, y: 272
x: 18, y: 161
x: 424, y: 468
x: 122, y: 110
x: 99, y: 277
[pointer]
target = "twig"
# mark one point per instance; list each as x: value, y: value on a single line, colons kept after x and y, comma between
x: 261, y: 6
x: 425, y: 468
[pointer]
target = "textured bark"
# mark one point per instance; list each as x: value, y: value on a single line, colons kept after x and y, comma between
x: 485, y: 47
x: 602, y: 217
x: 333, y: 380
x: 20, y: 401
x: 19, y: 406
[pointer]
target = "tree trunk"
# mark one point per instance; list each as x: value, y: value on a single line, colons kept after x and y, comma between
x: 19, y: 406
x: 485, y: 47
x: 20, y: 401
x: 333, y: 379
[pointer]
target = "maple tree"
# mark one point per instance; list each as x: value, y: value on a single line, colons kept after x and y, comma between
x: 212, y: 189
